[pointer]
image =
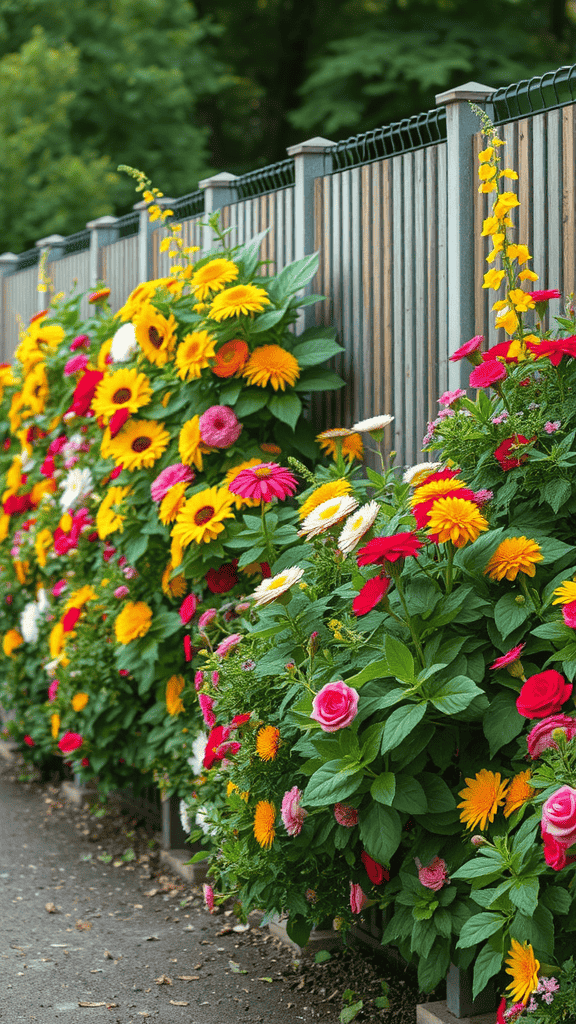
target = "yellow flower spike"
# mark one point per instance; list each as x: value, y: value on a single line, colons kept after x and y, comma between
x: 527, y: 275
x: 490, y: 226
x: 506, y: 202
x: 521, y: 300
x: 519, y: 253
x: 508, y: 320
x: 499, y: 305
x: 165, y: 244
x: 487, y: 186
x: 497, y: 142
x: 486, y: 172
x: 508, y: 173
x: 493, y: 279
x: 486, y: 154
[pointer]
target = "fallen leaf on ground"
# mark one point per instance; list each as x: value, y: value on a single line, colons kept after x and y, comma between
x: 152, y: 892
x: 83, y: 926
x: 51, y: 908
x: 270, y: 980
x: 178, y: 1002
x: 163, y: 980
x: 235, y: 968
x: 91, y: 1004
x: 188, y: 977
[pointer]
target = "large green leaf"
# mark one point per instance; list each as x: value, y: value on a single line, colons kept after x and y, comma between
x: 383, y: 788
x: 399, y: 658
x: 286, y: 408
x: 319, y: 380
x: 380, y: 832
x: 502, y: 723
x: 509, y: 614
x: 454, y: 695
x: 478, y: 927
x: 314, y: 351
x: 400, y: 724
x: 524, y: 894
x: 410, y: 797
x: 331, y: 783
x: 295, y: 276
x: 251, y: 400
x: 488, y: 962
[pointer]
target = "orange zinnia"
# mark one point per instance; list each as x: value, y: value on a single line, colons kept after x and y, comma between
x: 230, y: 358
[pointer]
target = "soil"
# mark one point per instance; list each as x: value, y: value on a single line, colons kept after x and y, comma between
x: 349, y: 982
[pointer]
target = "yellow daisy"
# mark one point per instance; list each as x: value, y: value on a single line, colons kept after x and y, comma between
x: 518, y: 793
x: 332, y: 489
x: 271, y: 364
x: 201, y: 518
x: 123, y: 389
x: 174, y: 688
x: 264, y: 818
x: 175, y: 586
x: 139, y: 444
x: 36, y: 389
x: 455, y: 519
x: 172, y: 502
x: 133, y: 621
x: 155, y: 334
x: 108, y: 519
x: 194, y: 354
x: 435, y: 489
x: 12, y: 640
x: 241, y: 300
x: 514, y: 555
x: 212, y: 277
x: 523, y: 968
x: 267, y: 742
x: 79, y: 701
x: 191, y: 445
x: 350, y: 443
x: 566, y: 592
x: 145, y: 291
x: 482, y: 797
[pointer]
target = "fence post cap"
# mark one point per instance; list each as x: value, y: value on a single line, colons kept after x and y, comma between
x: 222, y: 180
x: 140, y: 205
x: 469, y: 91
x: 107, y: 221
x: 8, y: 257
x: 51, y: 241
x: 315, y: 145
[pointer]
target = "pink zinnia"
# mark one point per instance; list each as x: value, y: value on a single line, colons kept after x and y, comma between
x: 208, y: 896
x: 121, y: 591
x: 545, y: 295
x: 70, y: 741
x: 206, y: 618
x: 358, y: 898
x: 552, y: 426
x: 451, y: 396
x: 75, y: 365
x: 219, y: 426
x: 188, y: 609
x: 198, y: 680
x: 292, y: 813
x: 434, y: 876
x: 487, y: 374
x: 541, y: 736
x: 53, y: 690
x: 569, y: 614
x: 264, y: 482
x: 346, y: 815
x: 81, y: 341
x: 59, y: 587
x: 215, y: 679
x: 509, y: 657
x: 187, y: 648
x: 467, y: 349
x: 228, y: 644
x: 482, y: 496
x: 206, y: 707
x: 176, y: 474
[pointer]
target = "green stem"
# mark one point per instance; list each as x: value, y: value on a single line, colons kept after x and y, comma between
x: 450, y: 568
x: 415, y: 638
x: 270, y: 551
x: 531, y: 597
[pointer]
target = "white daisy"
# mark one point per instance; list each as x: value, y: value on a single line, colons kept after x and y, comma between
x: 332, y: 432
x: 184, y: 819
x: 356, y: 526
x: 124, y: 344
x: 326, y: 515
x: 376, y: 423
x: 29, y: 622
x: 76, y: 484
x: 270, y: 589
x: 414, y: 475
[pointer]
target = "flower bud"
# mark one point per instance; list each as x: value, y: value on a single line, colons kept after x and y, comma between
x: 515, y: 669
x: 520, y: 599
x: 477, y: 840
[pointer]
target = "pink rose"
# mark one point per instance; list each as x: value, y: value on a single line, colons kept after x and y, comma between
x: 559, y: 816
x: 540, y: 737
x: 434, y: 876
x: 358, y: 898
x: 335, y: 706
x: 554, y: 852
x: 543, y: 694
x: 292, y: 813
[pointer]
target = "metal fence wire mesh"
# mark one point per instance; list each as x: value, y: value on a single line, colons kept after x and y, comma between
x: 553, y: 89
x: 267, y: 179
x: 400, y: 137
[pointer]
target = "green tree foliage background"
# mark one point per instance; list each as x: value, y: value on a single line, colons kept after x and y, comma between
x: 183, y: 89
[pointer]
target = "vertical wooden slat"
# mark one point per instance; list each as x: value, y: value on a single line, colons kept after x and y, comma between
x: 525, y: 184
x: 355, y: 395
x: 333, y: 195
x: 345, y: 213
x: 569, y: 198
x: 538, y: 196
x: 375, y: 336
x: 408, y: 305
x: 388, y: 302
x: 553, y: 274
x: 441, y: 322
x: 398, y: 263
x: 365, y: 370
x: 420, y: 384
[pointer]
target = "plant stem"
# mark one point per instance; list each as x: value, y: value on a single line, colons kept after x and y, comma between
x: 450, y: 568
x: 415, y: 638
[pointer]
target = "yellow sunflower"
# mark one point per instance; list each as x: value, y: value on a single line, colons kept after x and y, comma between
x: 12, y: 640
x: 518, y: 793
x: 41, y: 488
x: 350, y: 443
x: 155, y: 334
x: 108, y: 518
x: 271, y: 364
x: 79, y: 701
x: 103, y: 353
x: 212, y: 277
x: 455, y: 519
x: 174, y: 688
x: 435, y: 489
x: 201, y: 518
x: 133, y: 621
x: 56, y: 640
x: 482, y: 797
x: 139, y: 444
x: 39, y: 339
x: 332, y: 489
x: 566, y: 592
x: 172, y: 502
x: 231, y: 475
x: 175, y: 587
x: 78, y: 598
x: 241, y: 300
x: 123, y: 389
x: 264, y: 818
x: 194, y: 354
x: 191, y: 445
x: 514, y: 555
x: 14, y: 475
x: 267, y: 742
x: 523, y: 968
x: 145, y: 291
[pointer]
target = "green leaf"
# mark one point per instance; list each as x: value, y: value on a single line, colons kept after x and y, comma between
x: 399, y: 658
x: 230, y: 392
x: 488, y: 962
x: 322, y: 956
x: 438, y: 793
x: 380, y: 832
x: 400, y: 724
x: 508, y: 615
x: 480, y: 867
x: 267, y: 320
x: 331, y: 783
x: 296, y: 275
x: 433, y: 968
x: 478, y: 927
x: 315, y: 350
x: 298, y: 929
x: 557, y: 899
x: 376, y: 670
x: 556, y: 492
x: 134, y: 547
x: 349, y: 1012
x: 383, y: 788
x: 371, y: 740
x: 410, y: 797
x: 455, y: 695
x: 538, y: 930
x: 286, y: 408
x: 524, y: 894
x: 501, y: 722
x: 251, y: 400
x: 319, y: 380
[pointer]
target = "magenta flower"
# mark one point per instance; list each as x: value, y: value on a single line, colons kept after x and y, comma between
x: 121, y: 591
x: 467, y: 349
x: 188, y: 609
x: 206, y: 618
x: 542, y: 735
x: 292, y: 813
x: 188, y: 648
x: 206, y: 707
x: 70, y: 741
x: 53, y: 689
x: 208, y: 896
x: 264, y: 482
x: 228, y: 644
x: 487, y: 374
x: 346, y: 815
x: 335, y: 706
x: 552, y: 427
x: 29, y: 741
x: 546, y: 295
x: 198, y: 680
x: 451, y: 396
x: 434, y: 876
x: 215, y: 679
x: 176, y: 474
x: 569, y: 614
x: 77, y: 364
x: 59, y: 587
x: 358, y: 898
x: 482, y: 496
x: 81, y: 341
x: 509, y: 657
x: 219, y: 426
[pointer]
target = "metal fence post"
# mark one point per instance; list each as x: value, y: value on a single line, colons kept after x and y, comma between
x: 144, y: 255
x: 51, y: 248
x: 103, y: 231
x: 219, y: 191
x: 461, y: 125
x: 312, y: 159
x: 8, y: 264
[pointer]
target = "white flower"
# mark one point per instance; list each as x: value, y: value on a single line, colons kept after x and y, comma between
x: 375, y: 423
x: 124, y: 344
x: 356, y: 526
x: 201, y: 815
x: 184, y: 819
x: 198, y: 749
x: 28, y: 462
x: 29, y: 622
x: 76, y: 484
x: 415, y: 474
x: 270, y: 589
x: 326, y: 515
x: 51, y: 666
x: 42, y: 600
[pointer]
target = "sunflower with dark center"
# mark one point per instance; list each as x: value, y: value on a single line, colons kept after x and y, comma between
x: 139, y: 444
x: 202, y: 517
x: 155, y: 334
x: 124, y: 389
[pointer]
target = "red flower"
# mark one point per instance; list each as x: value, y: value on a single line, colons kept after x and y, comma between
x: 499, y: 351
x: 554, y: 348
x: 29, y: 741
x: 115, y: 472
x: 47, y: 467
x: 188, y: 609
x: 239, y: 720
x: 371, y: 594
x: 487, y: 374
x: 188, y: 648
x: 117, y: 421
x: 500, y: 1018
x: 220, y: 581
x: 442, y: 474
x: 84, y: 392
x: 545, y: 296
x: 70, y: 741
x: 388, y: 549
x: 15, y: 504
x: 471, y: 346
x: 376, y: 873
x: 70, y: 619
x: 265, y: 570
x: 502, y: 453
x: 217, y: 736
x: 543, y: 694
x: 508, y: 658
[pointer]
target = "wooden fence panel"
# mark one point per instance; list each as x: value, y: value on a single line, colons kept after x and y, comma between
x: 19, y: 303
x: 120, y: 269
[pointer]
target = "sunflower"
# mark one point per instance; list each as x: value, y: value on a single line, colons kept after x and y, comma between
x: 514, y: 555
x: 333, y: 489
x: 523, y: 968
x: 133, y: 621
x: 518, y: 793
x: 191, y: 445
x: 455, y: 519
x: 174, y: 688
x: 145, y: 291
x: 194, y: 354
x: 566, y: 592
x: 231, y: 475
x: 172, y: 502
x: 174, y: 586
x: 103, y: 354
x: 435, y: 489
x: 350, y: 443
x: 271, y: 364
x: 482, y: 797
x: 264, y: 818
x: 230, y: 358
x: 242, y: 300
x: 155, y: 334
x: 200, y: 520
x: 139, y: 444
x: 123, y: 389
x: 212, y: 277
x: 108, y: 519
x: 267, y: 742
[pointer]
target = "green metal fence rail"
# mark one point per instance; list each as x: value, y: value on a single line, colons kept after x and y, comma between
x: 553, y: 89
x: 190, y: 205
x: 128, y: 224
x: 400, y: 137
x: 266, y: 179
